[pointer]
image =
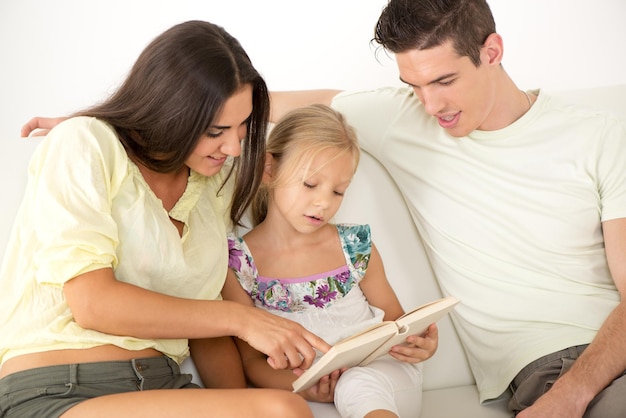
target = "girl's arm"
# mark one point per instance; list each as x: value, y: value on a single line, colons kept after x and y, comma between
x: 380, y: 294
x: 257, y: 370
x: 218, y: 362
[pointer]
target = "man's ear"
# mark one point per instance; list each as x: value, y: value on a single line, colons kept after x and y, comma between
x: 492, y: 50
x: 267, y: 168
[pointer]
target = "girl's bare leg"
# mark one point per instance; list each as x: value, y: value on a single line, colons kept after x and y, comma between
x: 177, y: 403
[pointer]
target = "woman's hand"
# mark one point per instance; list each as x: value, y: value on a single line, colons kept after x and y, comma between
x: 40, y: 126
x: 417, y: 348
x: 286, y: 343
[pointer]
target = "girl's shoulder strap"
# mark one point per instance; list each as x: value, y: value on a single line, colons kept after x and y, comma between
x: 356, y: 241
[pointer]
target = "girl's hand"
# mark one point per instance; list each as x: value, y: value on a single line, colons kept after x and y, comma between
x: 324, y: 391
x: 417, y: 348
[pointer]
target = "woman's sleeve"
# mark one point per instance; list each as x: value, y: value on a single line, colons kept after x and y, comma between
x: 74, y: 177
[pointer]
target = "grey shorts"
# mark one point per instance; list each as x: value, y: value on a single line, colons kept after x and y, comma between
x: 50, y: 391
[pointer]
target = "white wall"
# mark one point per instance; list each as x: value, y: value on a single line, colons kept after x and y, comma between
x: 62, y: 55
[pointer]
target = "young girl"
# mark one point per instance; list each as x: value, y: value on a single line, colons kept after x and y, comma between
x: 328, y: 277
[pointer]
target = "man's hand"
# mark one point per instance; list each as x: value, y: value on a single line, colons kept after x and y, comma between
x: 39, y: 126
x: 556, y: 403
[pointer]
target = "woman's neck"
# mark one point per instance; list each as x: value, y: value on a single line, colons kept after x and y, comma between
x: 168, y: 187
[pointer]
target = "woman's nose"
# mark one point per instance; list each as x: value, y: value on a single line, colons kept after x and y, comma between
x: 232, y: 145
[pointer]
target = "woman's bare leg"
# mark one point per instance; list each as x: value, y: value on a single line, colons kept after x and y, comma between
x: 176, y: 403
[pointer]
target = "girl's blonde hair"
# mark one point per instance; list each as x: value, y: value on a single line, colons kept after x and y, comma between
x: 296, y: 140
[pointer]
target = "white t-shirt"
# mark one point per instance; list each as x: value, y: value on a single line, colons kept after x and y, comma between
x: 511, y: 220
x: 88, y: 207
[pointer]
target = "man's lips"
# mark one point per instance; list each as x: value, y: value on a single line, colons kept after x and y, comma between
x: 448, y: 121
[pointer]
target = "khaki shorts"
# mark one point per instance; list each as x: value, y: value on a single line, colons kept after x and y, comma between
x: 50, y: 391
x: 539, y: 376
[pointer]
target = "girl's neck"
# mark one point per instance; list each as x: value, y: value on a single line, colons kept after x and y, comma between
x: 279, y: 253
x: 278, y: 233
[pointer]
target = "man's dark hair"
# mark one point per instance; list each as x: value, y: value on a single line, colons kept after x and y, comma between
x: 423, y: 24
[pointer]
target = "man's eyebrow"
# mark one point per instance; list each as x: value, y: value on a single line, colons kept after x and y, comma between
x: 435, y: 81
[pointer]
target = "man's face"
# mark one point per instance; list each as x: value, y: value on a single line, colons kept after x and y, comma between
x: 460, y: 95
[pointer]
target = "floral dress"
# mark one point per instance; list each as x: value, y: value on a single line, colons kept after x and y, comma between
x: 329, y: 304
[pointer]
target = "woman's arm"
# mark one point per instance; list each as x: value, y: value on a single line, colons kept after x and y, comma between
x: 98, y: 301
x: 380, y: 294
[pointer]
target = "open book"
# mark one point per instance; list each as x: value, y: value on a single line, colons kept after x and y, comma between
x: 366, y: 346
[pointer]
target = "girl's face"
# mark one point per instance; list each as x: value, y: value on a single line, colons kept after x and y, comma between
x: 223, y: 138
x: 309, y: 204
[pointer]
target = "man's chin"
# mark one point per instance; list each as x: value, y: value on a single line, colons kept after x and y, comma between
x: 457, y: 132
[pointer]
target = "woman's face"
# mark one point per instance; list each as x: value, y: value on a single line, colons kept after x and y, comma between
x: 223, y: 138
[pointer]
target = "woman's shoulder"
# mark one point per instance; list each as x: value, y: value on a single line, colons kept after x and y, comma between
x: 84, y: 124
x: 86, y: 131
x: 87, y: 144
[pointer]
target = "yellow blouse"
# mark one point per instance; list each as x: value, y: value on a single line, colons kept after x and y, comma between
x: 88, y: 207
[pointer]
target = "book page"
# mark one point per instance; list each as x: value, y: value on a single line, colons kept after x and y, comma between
x: 414, y: 322
x: 346, y: 353
x: 363, y: 347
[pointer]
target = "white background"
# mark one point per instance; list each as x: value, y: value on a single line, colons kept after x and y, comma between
x: 58, y: 56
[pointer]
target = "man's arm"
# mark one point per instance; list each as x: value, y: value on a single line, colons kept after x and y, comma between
x: 284, y: 101
x: 604, y: 359
x: 40, y: 126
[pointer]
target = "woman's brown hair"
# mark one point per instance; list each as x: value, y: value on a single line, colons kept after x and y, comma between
x: 173, y: 93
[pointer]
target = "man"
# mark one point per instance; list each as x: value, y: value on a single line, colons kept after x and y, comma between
x: 520, y: 199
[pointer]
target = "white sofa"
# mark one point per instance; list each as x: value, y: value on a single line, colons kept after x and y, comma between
x: 449, y: 389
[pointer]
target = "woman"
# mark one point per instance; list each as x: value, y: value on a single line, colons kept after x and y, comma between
x: 119, y: 254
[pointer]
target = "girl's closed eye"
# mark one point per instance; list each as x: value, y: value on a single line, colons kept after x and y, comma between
x: 308, y: 185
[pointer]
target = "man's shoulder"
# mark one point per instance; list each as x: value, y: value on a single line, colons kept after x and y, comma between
x: 582, y: 105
